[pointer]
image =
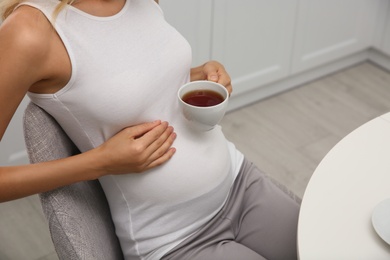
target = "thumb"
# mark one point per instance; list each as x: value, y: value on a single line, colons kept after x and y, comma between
x: 212, y: 77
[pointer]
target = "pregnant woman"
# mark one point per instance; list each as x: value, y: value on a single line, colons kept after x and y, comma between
x: 108, y: 71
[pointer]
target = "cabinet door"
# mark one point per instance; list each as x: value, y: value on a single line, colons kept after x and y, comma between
x: 193, y: 20
x: 382, y: 24
x: 331, y: 29
x: 385, y: 39
x: 253, y: 39
x: 386, y: 42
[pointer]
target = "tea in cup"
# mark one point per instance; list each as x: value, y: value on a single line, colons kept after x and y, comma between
x: 203, y: 103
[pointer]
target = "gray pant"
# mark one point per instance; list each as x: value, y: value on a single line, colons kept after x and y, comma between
x: 258, y: 221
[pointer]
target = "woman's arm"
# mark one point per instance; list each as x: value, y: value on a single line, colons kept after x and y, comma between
x: 24, y: 50
x: 213, y: 71
x: 125, y: 152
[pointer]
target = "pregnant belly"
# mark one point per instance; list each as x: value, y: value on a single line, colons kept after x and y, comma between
x: 201, y: 164
x: 172, y: 201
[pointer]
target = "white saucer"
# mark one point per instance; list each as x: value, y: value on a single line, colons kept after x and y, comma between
x: 381, y: 220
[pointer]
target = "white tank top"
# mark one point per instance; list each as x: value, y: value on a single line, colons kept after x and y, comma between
x: 126, y: 70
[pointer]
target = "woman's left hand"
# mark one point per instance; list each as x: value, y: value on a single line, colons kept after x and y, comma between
x: 212, y: 71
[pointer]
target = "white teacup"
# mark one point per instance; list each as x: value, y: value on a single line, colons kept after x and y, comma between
x: 203, y: 118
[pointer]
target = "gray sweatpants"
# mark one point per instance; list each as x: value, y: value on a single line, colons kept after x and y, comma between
x: 258, y: 221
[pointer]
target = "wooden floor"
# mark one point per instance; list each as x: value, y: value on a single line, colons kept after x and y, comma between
x: 286, y: 136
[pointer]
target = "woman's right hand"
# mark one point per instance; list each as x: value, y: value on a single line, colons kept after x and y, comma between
x: 137, y: 148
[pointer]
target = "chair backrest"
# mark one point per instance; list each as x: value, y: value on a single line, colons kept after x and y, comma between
x: 78, y: 215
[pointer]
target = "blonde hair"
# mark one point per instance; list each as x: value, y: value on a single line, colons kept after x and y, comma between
x: 8, y: 6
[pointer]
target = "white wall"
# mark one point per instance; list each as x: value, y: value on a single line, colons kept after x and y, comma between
x: 12, y: 148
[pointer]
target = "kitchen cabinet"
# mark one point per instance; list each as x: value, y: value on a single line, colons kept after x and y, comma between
x: 264, y: 42
x: 331, y: 29
x: 382, y: 39
x: 253, y: 39
x: 380, y: 51
x: 386, y: 40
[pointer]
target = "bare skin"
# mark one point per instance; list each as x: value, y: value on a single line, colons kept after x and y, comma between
x: 33, y: 58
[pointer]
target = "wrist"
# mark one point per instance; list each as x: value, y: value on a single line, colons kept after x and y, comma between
x: 95, y: 163
x: 197, y: 73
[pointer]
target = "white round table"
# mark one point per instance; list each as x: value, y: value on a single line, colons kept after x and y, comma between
x: 335, y: 216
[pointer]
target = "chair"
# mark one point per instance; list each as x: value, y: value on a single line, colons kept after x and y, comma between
x: 78, y: 215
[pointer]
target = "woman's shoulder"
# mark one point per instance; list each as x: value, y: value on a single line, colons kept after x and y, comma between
x: 26, y: 31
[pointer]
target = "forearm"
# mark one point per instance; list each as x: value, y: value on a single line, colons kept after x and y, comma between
x: 133, y: 150
x: 20, y: 181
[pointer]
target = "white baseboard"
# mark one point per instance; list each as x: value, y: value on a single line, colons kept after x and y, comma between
x: 379, y: 59
x: 268, y: 90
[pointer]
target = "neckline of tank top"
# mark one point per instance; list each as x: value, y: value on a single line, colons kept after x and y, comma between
x: 100, y: 18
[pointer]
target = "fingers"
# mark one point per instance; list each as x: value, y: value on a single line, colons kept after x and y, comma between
x: 159, y: 138
x: 141, y: 129
x: 210, y: 69
x: 163, y: 153
x: 136, y: 148
x: 162, y: 159
x: 224, y: 79
x: 155, y: 146
x: 216, y: 72
x: 213, y: 76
